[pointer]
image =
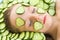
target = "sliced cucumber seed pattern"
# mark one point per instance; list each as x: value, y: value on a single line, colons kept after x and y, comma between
x: 38, y: 26
x: 20, y: 10
x: 20, y: 22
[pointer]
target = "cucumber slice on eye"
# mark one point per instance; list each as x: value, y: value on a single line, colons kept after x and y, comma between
x: 34, y: 2
x: 40, y: 11
x: 20, y: 22
x: 47, y: 1
x: 20, y: 10
x: 2, y: 25
x: 26, y: 36
x: 1, y: 20
x: 26, y: 1
x: 22, y: 35
x: 31, y: 35
x: 38, y: 26
x: 45, y: 6
x: 37, y: 36
x: 51, y: 12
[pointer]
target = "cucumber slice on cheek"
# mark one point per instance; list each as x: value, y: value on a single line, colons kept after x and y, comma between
x: 38, y: 26
x: 20, y: 22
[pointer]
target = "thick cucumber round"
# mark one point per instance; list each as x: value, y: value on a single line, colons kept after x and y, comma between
x: 20, y: 10
x: 26, y: 36
x: 2, y: 26
x: 38, y: 26
x: 34, y: 2
x: 37, y: 36
x: 22, y: 35
x: 19, y: 22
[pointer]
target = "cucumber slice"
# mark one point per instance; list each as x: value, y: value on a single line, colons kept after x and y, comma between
x: 47, y: 1
x: 1, y: 15
x: 13, y: 35
x: 26, y: 36
x: 20, y: 10
x: 26, y: 1
x: 40, y: 4
x: 37, y: 36
x: 5, y: 33
x: 34, y: 2
x: 44, y: 38
x: 15, y: 2
x: 9, y: 35
x: 1, y: 31
x: 20, y: 22
x: 16, y: 36
x: 20, y: 1
x: 38, y: 26
x: 51, y: 12
x: 4, y: 38
x: 45, y: 6
x: 9, y: 5
x: 2, y: 26
x: 25, y: 4
x: 1, y: 20
x: 10, y: 1
x: 31, y: 35
x: 41, y: 11
x: 51, y: 1
x: 4, y: 10
x: 22, y: 35
x: 52, y: 5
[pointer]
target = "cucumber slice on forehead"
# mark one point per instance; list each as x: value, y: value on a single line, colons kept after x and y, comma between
x: 34, y: 2
x: 38, y: 26
x: 51, y: 12
x: 20, y: 22
x: 20, y: 10
x: 37, y: 36
x: 40, y: 11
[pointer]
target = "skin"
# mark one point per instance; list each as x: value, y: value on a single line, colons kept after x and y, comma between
x: 51, y: 25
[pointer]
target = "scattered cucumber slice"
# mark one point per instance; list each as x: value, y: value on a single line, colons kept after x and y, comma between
x: 1, y: 15
x: 20, y: 22
x: 45, y: 6
x: 16, y: 36
x: 40, y: 11
x: 20, y: 1
x: 47, y: 1
x: 4, y: 38
x: 25, y: 4
x: 34, y: 2
x: 5, y: 33
x: 44, y: 38
x: 32, y: 33
x: 38, y: 26
x: 1, y: 20
x: 13, y: 35
x: 51, y: 12
x: 37, y: 36
x: 22, y: 35
x: 26, y: 1
x: 20, y: 10
x: 2, y: 25
x: 26, y: 36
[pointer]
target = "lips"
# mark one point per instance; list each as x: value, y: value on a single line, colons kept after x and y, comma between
x: 44, y: 19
